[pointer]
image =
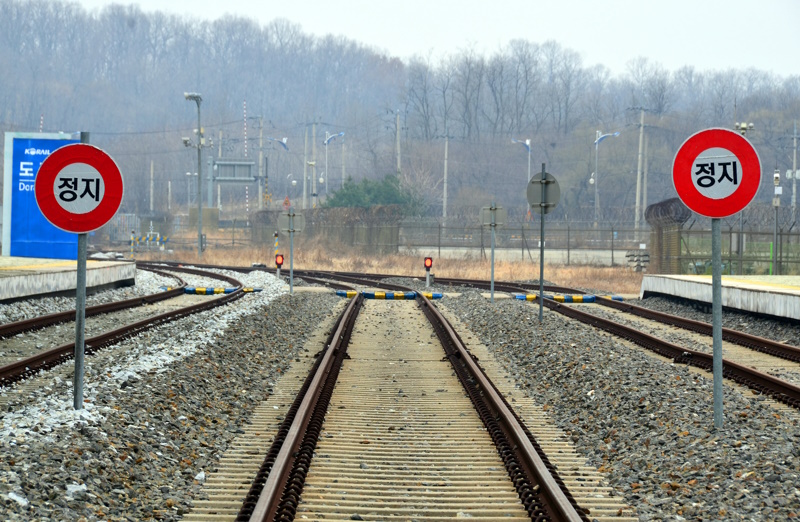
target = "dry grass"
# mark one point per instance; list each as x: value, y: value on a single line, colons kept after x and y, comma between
x: 618, y: 280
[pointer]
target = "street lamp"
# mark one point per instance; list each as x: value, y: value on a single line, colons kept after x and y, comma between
x: 197, y: 98
x: 594, y: 179
x: 742, y: 127
x: 527, y: 145
x: 329, y: 138
x: 281, y: 142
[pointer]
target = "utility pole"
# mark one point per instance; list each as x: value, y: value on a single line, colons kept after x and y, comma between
x: 794, y: 173
x: 314, y: 165
x: 151, y: 187
x: 261, y: 186
x: 644, y: 177
x: 444, y: 188
x: 327, y: 176
x: 305, y: 169
x: 397, y: 138
x: 639, y: 172
x: 343, y: 176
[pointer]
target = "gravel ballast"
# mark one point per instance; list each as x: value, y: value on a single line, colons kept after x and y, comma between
x: 159, y: 411
x: 163, y: 407
x: 648, y: 424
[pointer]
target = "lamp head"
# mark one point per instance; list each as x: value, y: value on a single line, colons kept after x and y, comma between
x: 194, y: 96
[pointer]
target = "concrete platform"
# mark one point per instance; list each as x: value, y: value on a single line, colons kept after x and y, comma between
x: 778, y: 296
x: 23, y: 277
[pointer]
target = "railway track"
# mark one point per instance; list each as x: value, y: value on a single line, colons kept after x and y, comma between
x: 401, y: 440
x: 760, y: 382
x: 35, y: 358
x: 346, y: 478
x: 778, y: 389
x: 36, y: 323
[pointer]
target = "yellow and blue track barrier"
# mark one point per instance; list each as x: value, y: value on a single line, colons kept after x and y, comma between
x: 199, y: 290
x: 568, y: 298
x: 397, y: 296
x: 211, y: 291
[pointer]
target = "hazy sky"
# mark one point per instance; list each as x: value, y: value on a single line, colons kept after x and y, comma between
x: 708, y: 34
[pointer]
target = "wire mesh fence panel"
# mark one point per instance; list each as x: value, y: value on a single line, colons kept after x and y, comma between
x: 678, y: 249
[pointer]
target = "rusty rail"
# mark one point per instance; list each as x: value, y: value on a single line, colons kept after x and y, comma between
x: 760, y: 344
x: 37, y: 323
x: 29, y: 366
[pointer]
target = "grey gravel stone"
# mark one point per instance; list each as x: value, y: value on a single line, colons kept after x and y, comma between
x: 648, y: 423
x: 141, y: 451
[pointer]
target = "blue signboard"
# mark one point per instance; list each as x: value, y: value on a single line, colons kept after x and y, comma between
x: 26, y: 232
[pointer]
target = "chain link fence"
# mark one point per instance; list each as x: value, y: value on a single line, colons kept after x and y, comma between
x: 749, y: 244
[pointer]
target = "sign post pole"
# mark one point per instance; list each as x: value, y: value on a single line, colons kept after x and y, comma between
x: 289, y: 223
x: 291, y: 250
x: 541, y: 245
x: 542, y: 201
x: 493, y: 216
x: 493, y: 210
x: 80, y: 323
x: 80, y: 314
x: 716, y: 173
x: 716, y: 318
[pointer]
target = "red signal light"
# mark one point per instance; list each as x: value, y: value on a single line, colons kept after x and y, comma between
x: 428, y: 263
x: 278, y: 260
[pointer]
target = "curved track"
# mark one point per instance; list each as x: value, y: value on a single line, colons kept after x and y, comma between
x: 31, y: 365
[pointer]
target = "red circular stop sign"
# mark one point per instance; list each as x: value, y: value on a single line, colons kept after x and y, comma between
x: 716, y: 172
x: 78, y: 188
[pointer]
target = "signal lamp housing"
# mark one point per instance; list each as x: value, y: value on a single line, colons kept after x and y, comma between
x: 278, y: 260
x: 428, y: 263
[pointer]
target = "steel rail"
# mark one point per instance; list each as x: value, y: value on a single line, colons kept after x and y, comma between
x: 37, y: 323
x: 277, y: 483
x: 279, y: 497
x: 527, y: 460
x: 29, y: 366
x: 776, y: 388
x: 193, y: 271
x: 760, y: 344
x: 257, y: 486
